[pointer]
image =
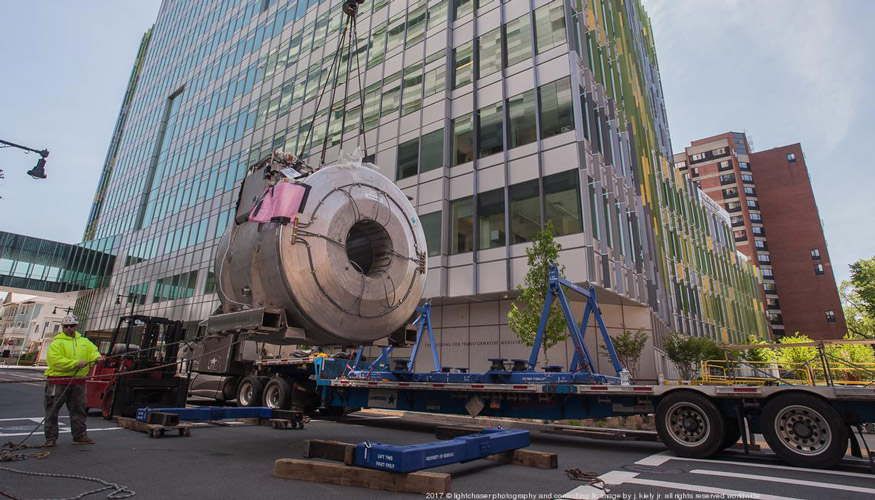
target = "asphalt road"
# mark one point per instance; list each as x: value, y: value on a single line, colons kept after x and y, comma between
x: 236, y: 461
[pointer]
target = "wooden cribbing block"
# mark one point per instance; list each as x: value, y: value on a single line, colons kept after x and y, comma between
x: 346, y: 475
x: 453, y: 431
x: 335, y: 451
x: 529, y: 458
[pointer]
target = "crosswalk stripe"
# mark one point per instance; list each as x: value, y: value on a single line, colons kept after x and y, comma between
x: 773, y: 479
x: 661, y: 458
x: 705, y: 489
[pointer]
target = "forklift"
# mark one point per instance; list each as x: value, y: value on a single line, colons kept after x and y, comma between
x: 140, y: 368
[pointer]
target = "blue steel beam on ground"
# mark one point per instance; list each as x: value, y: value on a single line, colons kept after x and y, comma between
x: 416, y: 457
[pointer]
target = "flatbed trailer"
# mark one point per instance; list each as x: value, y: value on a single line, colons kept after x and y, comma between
x: 807, y: 426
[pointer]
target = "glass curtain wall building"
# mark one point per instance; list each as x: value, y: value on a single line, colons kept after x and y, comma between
x: 494, y: 116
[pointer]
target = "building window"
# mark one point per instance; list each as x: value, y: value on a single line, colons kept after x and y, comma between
x: 763, y: 259
x: 815, y: 254
x: 730, y: 193
x: 697, y: 157
x: 791, y: 158
x: 489, y: 131
x: 391, y: 93
x: 750, y: 191
x: 557, y: 115
x: 736, y: 220
x: 462, y: 8
x: 518, y: 40
x: 773, y: 303
x: 408, y: 158
x: 733, y: 206
x: 759, y: 230
x: 695, y: 171
x: 431, y: 226
x: 562, y: 202
x: 490, y: 219
x: 756, y: 217
x: 411, y: 95
x: 416, y: 24
x: 727, y: 179
x: 761, y: 245
x: 489, y: 49
x: 740, y: 235
x: 830, y: 316
x: 463, y: 66
x: 606, y: 207
x: 550, y: 26
x: 719, y: 152
x: 593, y: 208
x: 770, y: 287
x: 210, y: 284
x: 818, y: 269
x: 768, y: 274
x: 432, y: 154
x: 525, y: 211
x: 463, y: 139
x: 462, y: 216
x: 743, y: 165
x: 521, y: 127
x: 724, y: 165
x: 746, y: 177
x: 435, y: 78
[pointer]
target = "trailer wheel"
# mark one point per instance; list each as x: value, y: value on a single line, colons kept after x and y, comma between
x: 278, y: 394
x: 690, y: 425
x: 249, y: 391
x: 804, y: 430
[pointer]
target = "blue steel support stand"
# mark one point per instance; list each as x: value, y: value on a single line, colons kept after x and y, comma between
x: 423, y: 324
x: 577, y: 333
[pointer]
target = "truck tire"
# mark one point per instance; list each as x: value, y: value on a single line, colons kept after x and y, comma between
x: 804, y: 430
x: 249, y: 391
x: 690, y: 425
x: 278, y: 394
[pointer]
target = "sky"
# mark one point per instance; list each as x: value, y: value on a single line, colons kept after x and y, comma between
x: 784, y: 71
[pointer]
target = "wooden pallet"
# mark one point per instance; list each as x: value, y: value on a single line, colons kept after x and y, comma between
x: 153, y: 430
x: 419, y: 482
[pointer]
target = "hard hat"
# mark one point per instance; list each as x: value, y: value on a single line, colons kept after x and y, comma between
x: 69, y: 320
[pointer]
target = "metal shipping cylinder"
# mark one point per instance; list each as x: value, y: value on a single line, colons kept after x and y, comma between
x: 350, y: 270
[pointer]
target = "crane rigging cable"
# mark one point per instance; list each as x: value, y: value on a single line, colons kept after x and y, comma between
x: 348, y: 41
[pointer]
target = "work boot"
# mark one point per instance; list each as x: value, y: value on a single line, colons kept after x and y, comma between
x: 84, y: 440
x: 50, y: 443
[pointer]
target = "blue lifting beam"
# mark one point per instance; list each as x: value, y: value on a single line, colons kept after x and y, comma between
x: 582, y: 359
x: 416, y: 457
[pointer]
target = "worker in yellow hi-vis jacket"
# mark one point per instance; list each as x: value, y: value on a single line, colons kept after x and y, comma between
x: 70, y: 358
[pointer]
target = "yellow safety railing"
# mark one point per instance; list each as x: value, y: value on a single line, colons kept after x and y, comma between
x: 813, y: 372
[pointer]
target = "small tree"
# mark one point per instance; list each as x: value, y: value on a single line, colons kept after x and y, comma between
x: 628, y: 346
x: 688, y: 353
x: 533, y: 292
x: 758, y: 355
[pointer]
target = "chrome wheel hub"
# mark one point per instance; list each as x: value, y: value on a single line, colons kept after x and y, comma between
x: 803, y: 430
x: 688, y: 424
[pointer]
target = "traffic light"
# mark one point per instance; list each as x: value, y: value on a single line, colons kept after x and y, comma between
x: 39, y: 171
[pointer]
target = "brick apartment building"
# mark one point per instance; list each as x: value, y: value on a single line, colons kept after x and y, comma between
x: 776, y: 224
